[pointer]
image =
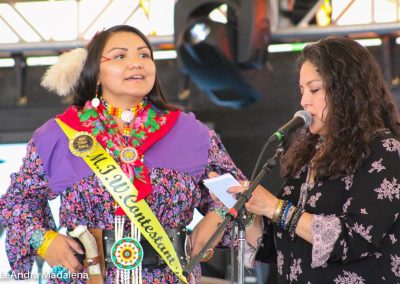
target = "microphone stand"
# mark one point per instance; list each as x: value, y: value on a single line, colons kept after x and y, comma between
x: 232, y: 214
x: 241, y: 246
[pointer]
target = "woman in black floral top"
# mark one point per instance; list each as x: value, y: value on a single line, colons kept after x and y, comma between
x: 336, y: 219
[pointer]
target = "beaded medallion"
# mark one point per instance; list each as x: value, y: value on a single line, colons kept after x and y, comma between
x: 127, y: 254
x: 129, y: 155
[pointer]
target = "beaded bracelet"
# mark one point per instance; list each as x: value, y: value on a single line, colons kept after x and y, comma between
x: 36, y: 238
x: 221, y: 211
x: 282, y: 212
x: 285, y: 214
x: 207, y: 255
x: 295, y: 220
x: 277, y: 211
x: 47, y: 239
x: 250, y: 217
x: 289, y: 217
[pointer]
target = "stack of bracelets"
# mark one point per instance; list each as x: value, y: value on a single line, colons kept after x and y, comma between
x: 41, y: 240
x: 286, y: 216
x: 249, y: 217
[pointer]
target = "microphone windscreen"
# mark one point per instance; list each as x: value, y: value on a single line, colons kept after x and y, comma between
x: 306, y: 116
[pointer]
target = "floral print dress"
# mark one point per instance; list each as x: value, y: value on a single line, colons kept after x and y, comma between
x: 175, y: 194
x: 355, y: 227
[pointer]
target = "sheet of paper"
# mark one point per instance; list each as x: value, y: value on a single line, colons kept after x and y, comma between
x: 219, y: 186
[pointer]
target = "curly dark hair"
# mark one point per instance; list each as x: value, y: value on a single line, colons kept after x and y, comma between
x: 360, y: 107
x: 86, y: 89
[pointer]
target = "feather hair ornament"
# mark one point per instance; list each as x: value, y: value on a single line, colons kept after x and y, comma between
x: 62, y: 77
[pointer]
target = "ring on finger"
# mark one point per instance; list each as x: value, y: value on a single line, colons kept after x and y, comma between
x: 207, y: 255
x: 60, y: 272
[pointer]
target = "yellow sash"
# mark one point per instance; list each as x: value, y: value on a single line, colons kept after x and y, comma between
x: 124, y: 193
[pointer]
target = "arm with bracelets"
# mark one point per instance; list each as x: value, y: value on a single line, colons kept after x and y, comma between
x: 57, y: 249
x: 27, y: 219
x: 282, y: 212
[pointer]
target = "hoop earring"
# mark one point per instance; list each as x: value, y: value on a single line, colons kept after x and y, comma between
x: 96, y: 101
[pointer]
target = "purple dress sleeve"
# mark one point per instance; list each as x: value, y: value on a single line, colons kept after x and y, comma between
x: 220, y: 162
x: 24, y: 208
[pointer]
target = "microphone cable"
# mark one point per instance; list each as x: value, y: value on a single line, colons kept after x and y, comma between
x: 259, y: 160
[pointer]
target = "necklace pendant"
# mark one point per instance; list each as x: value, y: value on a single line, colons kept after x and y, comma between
x: 129, y: 155
x: 127, y: 116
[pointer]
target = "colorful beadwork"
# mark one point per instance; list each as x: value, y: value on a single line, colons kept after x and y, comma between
x: 37, y: 238
x: 145, y: 128
x: 127, y: 254
x: 61, y: 273
x: 125, y: 115
x: 129, y: 155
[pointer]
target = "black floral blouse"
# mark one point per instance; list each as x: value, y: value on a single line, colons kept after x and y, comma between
x: 356, y: 227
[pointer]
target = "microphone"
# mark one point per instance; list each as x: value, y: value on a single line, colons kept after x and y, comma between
x: 301, y: 119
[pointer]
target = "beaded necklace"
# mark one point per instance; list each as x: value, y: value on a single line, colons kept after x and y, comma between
x: 309, y: 183
x: 125, y: 115
x: 150, y: 125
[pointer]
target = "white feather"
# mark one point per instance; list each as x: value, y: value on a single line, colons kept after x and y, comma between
x: 62, y: 77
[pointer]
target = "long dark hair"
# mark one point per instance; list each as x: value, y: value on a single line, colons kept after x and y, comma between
x: 360, y: 106
x: 86, y: 89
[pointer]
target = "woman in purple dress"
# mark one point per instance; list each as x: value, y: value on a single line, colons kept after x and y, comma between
x: 128, y: 167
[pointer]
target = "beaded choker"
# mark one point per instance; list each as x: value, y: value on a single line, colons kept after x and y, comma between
x: 125, y: 115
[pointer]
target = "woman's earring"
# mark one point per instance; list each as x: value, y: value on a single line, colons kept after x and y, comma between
x: 96, y: 101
